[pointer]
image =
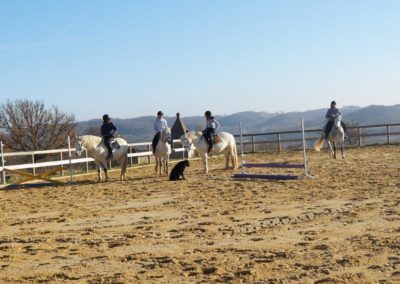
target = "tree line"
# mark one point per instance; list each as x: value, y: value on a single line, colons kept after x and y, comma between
x: 31, y: 126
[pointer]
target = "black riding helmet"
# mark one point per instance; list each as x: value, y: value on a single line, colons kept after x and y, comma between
x: 160, y: 112
x: 207, y: 113
x: 333, y: 103
x: 106, y: 117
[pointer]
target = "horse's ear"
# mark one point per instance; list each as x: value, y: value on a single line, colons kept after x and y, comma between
x: 187, y: 131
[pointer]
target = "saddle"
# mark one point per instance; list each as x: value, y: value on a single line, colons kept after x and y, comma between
x: 114, y: 144
x: 215, y: 138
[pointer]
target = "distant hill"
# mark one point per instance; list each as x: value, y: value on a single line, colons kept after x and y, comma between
x: 141, y: 128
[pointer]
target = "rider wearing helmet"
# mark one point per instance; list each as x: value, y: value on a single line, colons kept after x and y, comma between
x: 108, y: 130
x: 212, y: 127
x: 330, y: 116
x: 159, y: 125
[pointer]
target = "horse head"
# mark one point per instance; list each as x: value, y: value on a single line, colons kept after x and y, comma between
x: 79, y: 147
x: 187, y: 140
x: 165, y: 134
x: 337, y: 123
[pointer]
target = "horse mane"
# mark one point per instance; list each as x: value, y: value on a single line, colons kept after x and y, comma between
x: 91, y: 141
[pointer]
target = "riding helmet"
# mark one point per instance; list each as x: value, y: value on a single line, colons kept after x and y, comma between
x: 333, y: 103
x: 160, y: 113
x: 207, y: 113
x: 106, y: 117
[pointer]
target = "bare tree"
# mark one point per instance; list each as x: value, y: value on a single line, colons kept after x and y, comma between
x: 28, y: 126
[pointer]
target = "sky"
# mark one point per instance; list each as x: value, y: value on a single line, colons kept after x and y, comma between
x: 130, y: 58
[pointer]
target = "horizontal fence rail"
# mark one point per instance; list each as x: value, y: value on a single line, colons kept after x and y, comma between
x: 357, y: 136
x: 65, y: 161
x: 275, y: 141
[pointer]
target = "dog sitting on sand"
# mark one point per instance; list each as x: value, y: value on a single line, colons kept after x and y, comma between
x: 177, y: 171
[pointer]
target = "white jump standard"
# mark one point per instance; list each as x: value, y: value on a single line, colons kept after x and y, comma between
x: 244, y: 164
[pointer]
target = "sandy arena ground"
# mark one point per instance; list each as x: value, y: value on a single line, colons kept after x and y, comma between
x: 343, y: 226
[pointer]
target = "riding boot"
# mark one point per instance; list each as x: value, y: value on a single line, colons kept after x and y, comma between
x: 210, y: 145
x: 155, y: 142
x: 109, y: 156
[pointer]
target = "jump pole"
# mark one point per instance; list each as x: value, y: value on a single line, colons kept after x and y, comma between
x: 241, y: 148
x: 304, y: 150
x: 274, y: 165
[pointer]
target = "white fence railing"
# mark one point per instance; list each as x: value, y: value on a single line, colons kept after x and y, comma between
x: 388, y: 133
x: 65, y: 159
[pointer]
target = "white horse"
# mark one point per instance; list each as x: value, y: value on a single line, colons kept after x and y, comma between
x: 98, y: 151
x: 162, y: 151
x: 223, y: 142
x: 336, y: 137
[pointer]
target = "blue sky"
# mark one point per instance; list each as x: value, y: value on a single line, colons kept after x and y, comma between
x: 132, y: 58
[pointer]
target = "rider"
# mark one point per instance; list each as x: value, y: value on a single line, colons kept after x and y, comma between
x: 159, y: 125
x: 108, y: 130
x: 212, y: 127
x: 330, y: 116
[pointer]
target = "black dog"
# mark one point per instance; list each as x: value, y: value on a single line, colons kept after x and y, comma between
x: 177, y: 171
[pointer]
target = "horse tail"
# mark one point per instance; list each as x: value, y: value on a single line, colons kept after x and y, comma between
x: 319, y: 143
x: 234, y: 154
x: 124, y: 164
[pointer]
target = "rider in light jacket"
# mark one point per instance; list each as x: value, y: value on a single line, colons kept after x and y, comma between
x: 212, y: 127
x: 159, y: 125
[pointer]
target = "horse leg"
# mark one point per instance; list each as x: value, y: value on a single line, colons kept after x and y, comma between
x: 156, y: 167
x: 105, y: 171
x: 226, y: 159
x: 160, y: 164
x: 205, y: 162
x: 330, y: 148
x: 98, y: 174
x: 166, y: 165
x: 334, y: 150
x: 98, y: 165
x: 342, y: 150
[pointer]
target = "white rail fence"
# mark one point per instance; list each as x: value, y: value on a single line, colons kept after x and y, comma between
x: 65, y: 159
x: 253, y: 142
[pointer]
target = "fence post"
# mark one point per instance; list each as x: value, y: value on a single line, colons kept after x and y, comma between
x: 87, y: 163
x: 62, y: 168
x: 70, y: 159
x: 131, y: 158
x: 253, y: 144
x: 279, y: 142
x: 149, y: 156
x: 3, y: 172
x: 33, y: 164
x: 388, y: 134
x: 359, y: 137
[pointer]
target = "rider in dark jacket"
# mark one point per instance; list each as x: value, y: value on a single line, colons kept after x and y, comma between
x: 108, y: 130
x: 330, y: 116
